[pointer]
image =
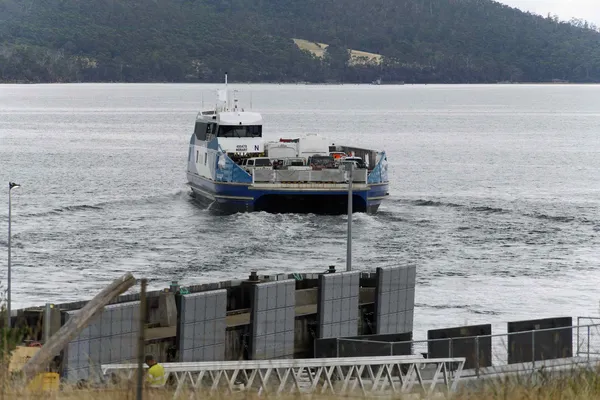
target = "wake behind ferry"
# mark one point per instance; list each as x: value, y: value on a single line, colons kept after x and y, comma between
x: 231, y: 168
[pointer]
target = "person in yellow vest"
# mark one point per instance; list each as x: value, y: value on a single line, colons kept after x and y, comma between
x: 156, y: 373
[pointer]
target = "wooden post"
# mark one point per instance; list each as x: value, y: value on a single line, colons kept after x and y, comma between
x: 75, y: 325
x: 141, y: 340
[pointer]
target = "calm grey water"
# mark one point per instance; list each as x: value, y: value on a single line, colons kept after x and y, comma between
x: 495, y: 193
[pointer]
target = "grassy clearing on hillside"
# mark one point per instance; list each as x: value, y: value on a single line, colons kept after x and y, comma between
x: 356, y: 56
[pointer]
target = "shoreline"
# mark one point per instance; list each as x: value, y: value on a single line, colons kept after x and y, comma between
x: 310, y: 84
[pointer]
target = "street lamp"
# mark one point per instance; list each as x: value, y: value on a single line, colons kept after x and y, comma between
x: 349, y: 167
x: 11, y: 186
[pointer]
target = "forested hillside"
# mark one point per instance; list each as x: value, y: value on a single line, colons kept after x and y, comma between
x: 198, y: 40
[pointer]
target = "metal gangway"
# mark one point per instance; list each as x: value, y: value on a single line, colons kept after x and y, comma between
x: 366, y: 376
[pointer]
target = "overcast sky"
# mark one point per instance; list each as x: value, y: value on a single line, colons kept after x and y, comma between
x: 565, y: 9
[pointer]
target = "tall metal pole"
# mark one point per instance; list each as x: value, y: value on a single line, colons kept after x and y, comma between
x: 349, y: 168
x: 47, y: 318
x: 141, y: 340
x: 9, y: 235
x: 11, y: 186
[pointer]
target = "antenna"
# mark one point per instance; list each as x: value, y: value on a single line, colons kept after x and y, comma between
x: 202, y: 100
x: 226, y: 92
x: 251, y: 100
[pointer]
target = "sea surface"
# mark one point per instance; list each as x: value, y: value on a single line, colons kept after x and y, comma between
x: 495, y: 193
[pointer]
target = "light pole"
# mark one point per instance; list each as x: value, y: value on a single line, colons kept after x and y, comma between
x: 11, y: 186
x: 349, y: 168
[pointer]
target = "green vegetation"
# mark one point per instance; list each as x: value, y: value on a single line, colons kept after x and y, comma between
x: 198, y: 40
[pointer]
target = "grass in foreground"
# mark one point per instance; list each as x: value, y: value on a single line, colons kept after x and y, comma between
x: 575, y: 385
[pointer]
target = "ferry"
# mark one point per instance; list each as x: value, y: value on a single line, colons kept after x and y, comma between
x: 232, y: 168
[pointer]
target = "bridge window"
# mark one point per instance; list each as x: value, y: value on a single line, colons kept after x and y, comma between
x: 200, y: 130
x: 240, y: 131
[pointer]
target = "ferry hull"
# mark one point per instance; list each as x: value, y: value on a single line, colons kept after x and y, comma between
x: 233, y: 197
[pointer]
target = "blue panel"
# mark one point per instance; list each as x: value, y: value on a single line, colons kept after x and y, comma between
x: 337, y: 306
x: 272, y: 319
x: 202, y: 326
x: 380, y: 172
x: 231, y: 172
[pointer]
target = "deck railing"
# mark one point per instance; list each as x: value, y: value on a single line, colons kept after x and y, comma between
x: 362, y: 376
x: 558, y: 348
x: 335, y: 176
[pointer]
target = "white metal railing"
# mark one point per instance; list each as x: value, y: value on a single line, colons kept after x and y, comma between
x: 588, y: 337
x: 358, y: 375
x: 310, y: 176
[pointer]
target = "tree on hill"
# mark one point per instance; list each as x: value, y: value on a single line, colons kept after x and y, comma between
x: 198, y: 40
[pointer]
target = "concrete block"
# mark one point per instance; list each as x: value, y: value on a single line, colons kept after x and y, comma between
x: 220, y: 330
x: 188, y: 309
x: 221, y: 306
x: 135, y: 318
x: 336, y: 286
x: 272, y: 322
x: 211, y: 303
x: 328, y: 311
x: 209, y: 332
x: 261, y: 323
x: 105, y: 346
x: 356, y: 281
x: 199, y: 309
x: 281, y: 295
x: 344, y: 314
x: 197, y: 354
x: 187, y: 337
x: 115, y: 349
x: 209, y: 353
x: 347, y: 287
x: 393, y: 304
x: 408, y: 322
x: 383, y: 323
x: 219, y: 352
x: 116, y: 321
x: 72, y: 352
x: 290, y: 316
x: 291, y: 296
x: 106, y: 324
x: 261, y: 298
x: 280, y: 319
x: 401, y: 296
x: 83, y: 350
x: 84, y: 334
x: 95, y: 350
x: 271, y: 296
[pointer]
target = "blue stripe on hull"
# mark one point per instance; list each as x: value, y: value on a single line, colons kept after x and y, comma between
x: 229, y: 197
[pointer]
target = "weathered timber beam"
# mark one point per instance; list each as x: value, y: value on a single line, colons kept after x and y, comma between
x: 75, y: 325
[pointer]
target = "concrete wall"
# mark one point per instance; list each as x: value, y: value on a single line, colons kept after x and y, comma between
x: 395, y: 299
x: 337, y: 306
x: 272, y: 319
x: 202, y: 326
x: 262, y: 317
